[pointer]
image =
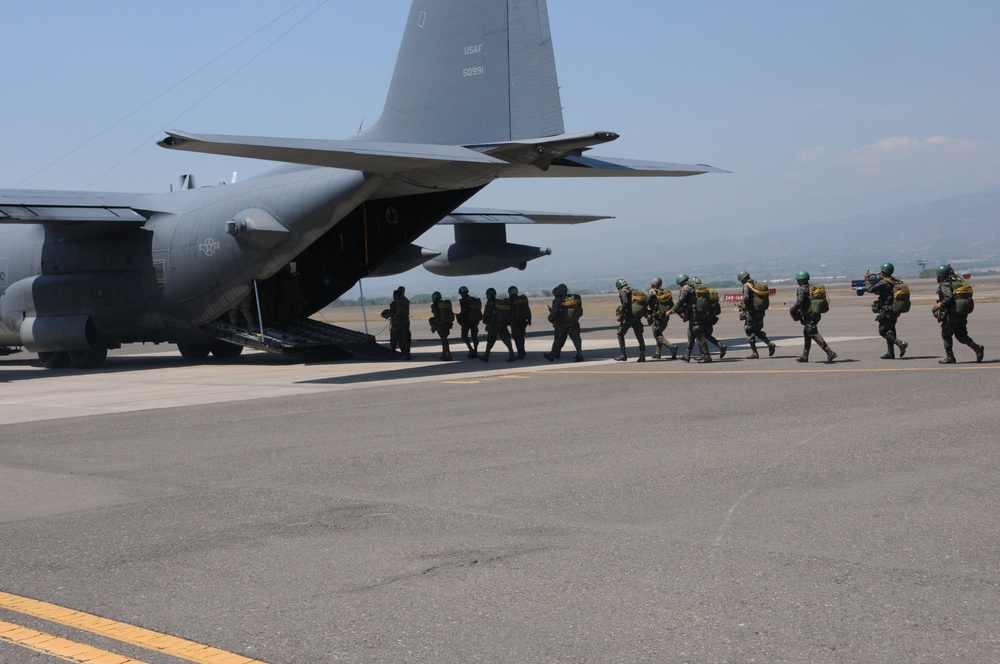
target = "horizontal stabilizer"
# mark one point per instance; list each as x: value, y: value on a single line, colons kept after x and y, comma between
x: 487, y: 216
x: 610, y: 167
x: 350, y: 155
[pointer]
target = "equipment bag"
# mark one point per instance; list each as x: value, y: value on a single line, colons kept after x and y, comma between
x: 664, y: 300
x: 503, y: 311
x: 962, y: 291
x: 706, y: 302
x: 475, y: 310
x: 761, y: 295
x: 638, y: 303
x: 900, y: 296
x: 445, y: 314
x: 819, y: 303
x: 572, y: 306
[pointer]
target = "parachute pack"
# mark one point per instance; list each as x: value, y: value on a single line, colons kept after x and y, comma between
x: 521, y: 308
x: 962, y: 290
x: 638, y: 303
x: 662, y: 302
x: 445, y: 314
x: 819, y: 303
x: 503, y: 311
x: 475, y: 310
x: 572, y: 308
x: 706, y: 302
x: 761, y: 295
x: 900, y: 295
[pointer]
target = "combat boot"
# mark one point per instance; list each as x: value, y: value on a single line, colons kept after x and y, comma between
x: 621, y: 358
x: 804, y: 357
x: 621, y: 347
x: 511, y: 357
x: 753, y: 351
x: 722, y: 350
x: 549, y: 356
x: 472, y: 354
x: 578, y: 358
x: 642, y: 355
x: 656, y: 353
x: 771, y: 348
x: 447, y: 356
x: 902, y: 348
x: 980, y: 352
x: 704, y: 358
x: 687, y: 354
x: 673, y: 352
x: 949, y: 358
x: 485, y: 357
x: 890, y: 354
x: 830, y: 356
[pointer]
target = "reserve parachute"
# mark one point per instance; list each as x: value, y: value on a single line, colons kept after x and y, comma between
x: 761, y: 295
x: 819, y: 302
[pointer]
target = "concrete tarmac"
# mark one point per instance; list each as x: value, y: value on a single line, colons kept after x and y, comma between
x: 746, y: 510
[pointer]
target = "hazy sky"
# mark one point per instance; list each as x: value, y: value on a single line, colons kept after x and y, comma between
x: 822, y: 110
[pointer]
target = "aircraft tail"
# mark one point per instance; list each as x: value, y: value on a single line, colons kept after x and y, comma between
x: 472, y: 72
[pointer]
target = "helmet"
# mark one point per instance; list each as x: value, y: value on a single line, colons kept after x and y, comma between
x: 512, y: 291
x: 436, y: 295
x: 401, y: 290
x: 696, y: 280
x: 560, y: 290
x: 802, y: 275
x: 681, y: 278
x: 887, y: 268
x: 491, y: 292
x: 655, y: 282
x: 620, y: 284
x: 462, y: 290
x: 943, y: 270
x: 742, y: 276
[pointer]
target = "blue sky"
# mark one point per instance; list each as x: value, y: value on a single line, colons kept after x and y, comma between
x: 821, y: 110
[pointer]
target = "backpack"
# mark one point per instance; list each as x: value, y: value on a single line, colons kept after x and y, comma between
x: 474, y: 313
x: 662, y: 301
x: 962, y: 291
x: 638, y: 303
x: 572, y: 309
x: 761, y: 295
x: 503, y: 311
x: 819, y: 303
x: 445, y: 314
x: 706, y: 302
x: 520, y: 308
x: 900, y: 296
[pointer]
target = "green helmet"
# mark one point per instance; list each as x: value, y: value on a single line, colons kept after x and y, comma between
x: 887, y: 268
x: 681, y: 278
x: 462, y: 290
x: 512, y: 291
x: 943, y: 270
x: 436, y: 295
x: 560, y: 290
x: 655, y: 282
x: 742, y: 276
x: 802, y: 275
x: 620, y: 284
x: 491, y: 292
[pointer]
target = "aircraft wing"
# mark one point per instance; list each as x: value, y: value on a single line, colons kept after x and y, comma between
x: 366, y: 156
x: 487, y: 216
x: 573, y: 166
x: 55, y: 207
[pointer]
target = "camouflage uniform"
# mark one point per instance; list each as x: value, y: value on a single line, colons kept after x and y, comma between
x: 658, y: 321
x: 886, y: 316
x: 563, y: 327
x: 470, y: 327
x: 520, y: 319
x: 684, y: 306
x: 753, y: 321
x: 398, y: 314
x: 494, y: 328
x: 953, y: 324
x: 810, y: 324
x: 628, y: 321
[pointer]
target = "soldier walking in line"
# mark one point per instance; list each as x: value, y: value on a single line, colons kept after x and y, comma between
x: 496, y: 317
x: 756, y: 298
x: 441, y: 320
x: 520, y: 319
x: 708, y: 308
x: 398, y: 315
x: 564, y: 314
x: 952, y: 310
x: 631, y: 308
x: 685, y: 307
x: 659, y: 302
x: 887, y: 309
x: 808, y: 309
x: 470, y: 312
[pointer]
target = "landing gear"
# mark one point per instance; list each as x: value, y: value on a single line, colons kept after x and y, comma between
x: 193, y: 350
x: 224, y: 351
x: 92, y: 358
x: 54, y: 360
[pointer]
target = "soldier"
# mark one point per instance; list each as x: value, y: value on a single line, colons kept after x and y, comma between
x: 496, y: 316
x: 629, y: 315
x: 441, y: 321
x: 398, y: 315
x: 809, y: 315
x: 685, y: 307
x: 708, y: 315
x: 470, y: 312
x: 886, y: 315
x: 755, y: 301
x: 520, y: 319
x: 952, y: 310
x: 659, y: 302
x: 564, y: 314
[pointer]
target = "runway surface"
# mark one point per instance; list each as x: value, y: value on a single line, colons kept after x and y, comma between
x: 746, y: 510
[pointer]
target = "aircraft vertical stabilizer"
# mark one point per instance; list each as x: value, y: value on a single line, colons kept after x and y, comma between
x: 472, y: 72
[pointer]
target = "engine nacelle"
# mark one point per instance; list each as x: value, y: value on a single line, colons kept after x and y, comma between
x: 408, y: 258
x: 468, y: 258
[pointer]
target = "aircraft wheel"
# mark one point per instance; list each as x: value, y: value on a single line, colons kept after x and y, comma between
x: 54, y: 360
x: 193, y: 350
x: 224, y: 351
x: 88, y: 359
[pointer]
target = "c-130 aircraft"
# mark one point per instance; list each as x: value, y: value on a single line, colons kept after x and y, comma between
x: 473, y: 97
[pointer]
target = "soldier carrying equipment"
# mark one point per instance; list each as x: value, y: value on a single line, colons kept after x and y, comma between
x: 952, y: 310
x: 892, y: 300
x: 564, y: 314
x: 756, y: 299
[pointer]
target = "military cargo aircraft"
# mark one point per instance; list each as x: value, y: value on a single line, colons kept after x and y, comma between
x: 473, y: 98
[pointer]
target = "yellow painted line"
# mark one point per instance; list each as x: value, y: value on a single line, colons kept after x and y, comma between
x: 112, y: 629
x: 460, y: 382
x: 56, y: 646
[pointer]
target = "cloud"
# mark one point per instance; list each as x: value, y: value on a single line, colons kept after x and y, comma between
x: 811, y: 154
x: 941, y: 154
